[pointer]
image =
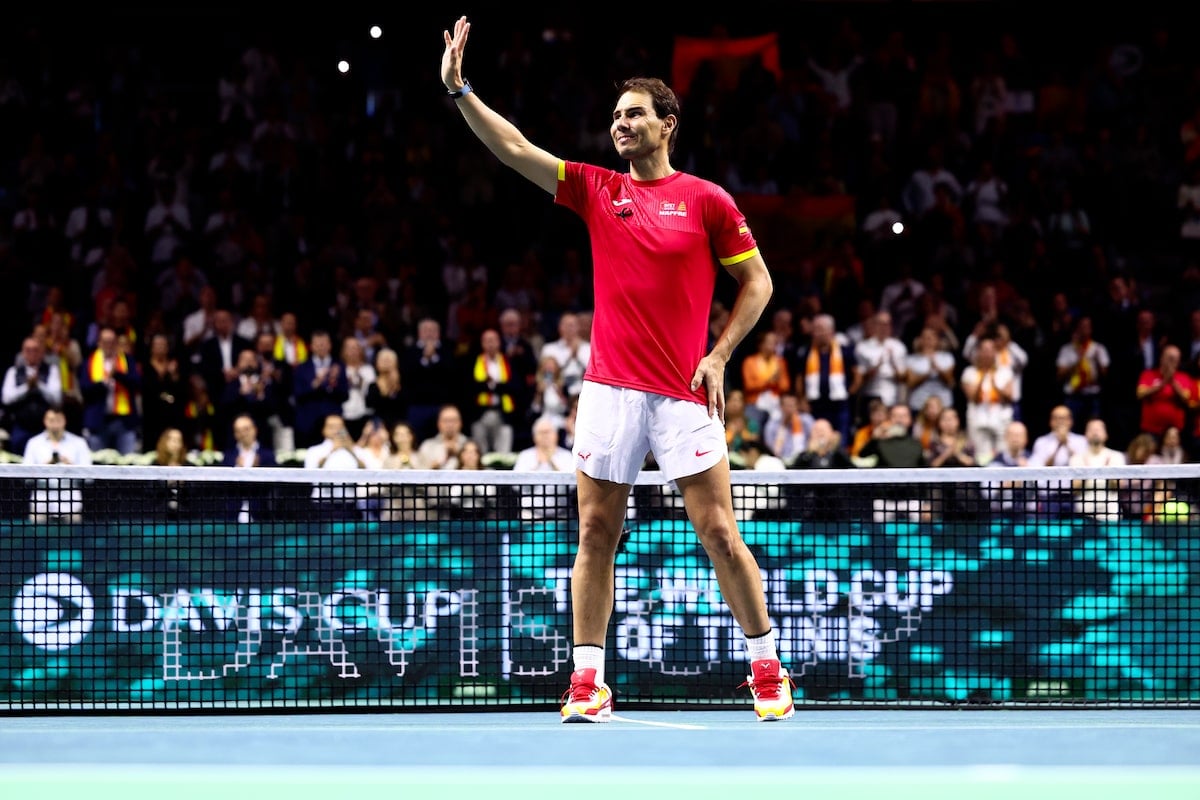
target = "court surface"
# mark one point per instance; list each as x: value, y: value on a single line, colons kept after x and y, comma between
x: 847, y: 754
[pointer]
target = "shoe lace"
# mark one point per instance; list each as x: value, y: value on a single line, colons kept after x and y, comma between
x: 579, y: 692
x: 765, y: 688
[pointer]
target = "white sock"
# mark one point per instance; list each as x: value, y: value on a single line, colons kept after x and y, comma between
x: 589, y: 656
x: 761, y: 647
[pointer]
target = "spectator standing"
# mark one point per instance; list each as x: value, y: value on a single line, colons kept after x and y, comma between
x: 360, y: 375
x: 988, y: 388
x: 386, y: 395
x: 930, y: 370
x: 319, y: 388
x: 217, y: 356
x: 831, y: 375
x: 431, y: 374
x: 254, y: 392
x: 164, y: 389
x: 571, y: 351
x: 111, y: 382
x: 550, y: 398
x: 765, y: 374
x: 32, y: 384
x: 523, y: 362
x: 1082, y: 365
x: 1168, y: 395
x: 881, y: 360
x: 490, y: 396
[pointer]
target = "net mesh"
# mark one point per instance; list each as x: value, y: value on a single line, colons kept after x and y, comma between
x: 211, y: 588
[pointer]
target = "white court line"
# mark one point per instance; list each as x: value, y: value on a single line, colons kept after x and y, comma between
x: 57, y: 727
x: 679, y: 726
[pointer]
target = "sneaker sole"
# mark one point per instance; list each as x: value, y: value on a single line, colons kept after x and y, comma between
x: 772, y: 717
x: 599, y: 717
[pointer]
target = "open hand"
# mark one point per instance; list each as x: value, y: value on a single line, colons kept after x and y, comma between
x: 452, y: 57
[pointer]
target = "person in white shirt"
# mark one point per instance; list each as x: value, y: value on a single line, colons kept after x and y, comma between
x: 441, y: 450
x: 786, y: 432
x: 336, y: 451
x: 988, y: 387
x: 31, y: 385
x: 883, y: 360
x: 56, y: 498
x: 541, y: 501
x: 1008, y: 354
x: 570, y: 350
x: 1054, y: 449
x: 1097, y: 497
x: 1081, y: 365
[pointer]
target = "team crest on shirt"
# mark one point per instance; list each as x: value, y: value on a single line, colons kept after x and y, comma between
x: 667, y: 209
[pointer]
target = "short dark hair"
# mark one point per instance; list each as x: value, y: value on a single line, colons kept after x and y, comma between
x: 663, y: 97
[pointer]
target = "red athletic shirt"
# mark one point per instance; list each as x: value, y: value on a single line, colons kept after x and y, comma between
x: 1163, y: 409
x: 655, y: 249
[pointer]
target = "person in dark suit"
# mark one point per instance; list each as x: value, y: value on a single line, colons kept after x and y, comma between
x: 523, y: 362
x: 431, y: 373
x: 319, y: 387
x: 246, y: 452
x: 255, y: 391
x: 217, y: 356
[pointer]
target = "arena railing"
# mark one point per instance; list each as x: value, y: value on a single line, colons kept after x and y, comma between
x: 212, y: 588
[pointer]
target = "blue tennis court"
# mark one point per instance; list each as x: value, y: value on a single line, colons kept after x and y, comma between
x: 848, y: 754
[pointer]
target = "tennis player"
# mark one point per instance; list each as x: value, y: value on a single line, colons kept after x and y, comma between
x: 649, y: 385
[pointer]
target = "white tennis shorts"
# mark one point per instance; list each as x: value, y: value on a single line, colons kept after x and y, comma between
x: 615, y: 428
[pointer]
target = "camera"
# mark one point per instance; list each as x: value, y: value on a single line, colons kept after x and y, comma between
x: 54, y: 458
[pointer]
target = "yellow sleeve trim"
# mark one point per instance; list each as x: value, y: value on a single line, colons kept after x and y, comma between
x: 562, y: 170
x: 739, y: 258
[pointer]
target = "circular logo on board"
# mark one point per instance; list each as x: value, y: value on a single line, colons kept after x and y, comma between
x: 54, y: 611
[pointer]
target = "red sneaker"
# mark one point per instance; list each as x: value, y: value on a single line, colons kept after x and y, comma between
x: 771, y: 686
x: 586, y: 700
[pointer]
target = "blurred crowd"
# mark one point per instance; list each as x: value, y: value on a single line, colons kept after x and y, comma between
x: 236, y: 232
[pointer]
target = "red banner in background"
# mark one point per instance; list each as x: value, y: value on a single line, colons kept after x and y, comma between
x: 729, y: 57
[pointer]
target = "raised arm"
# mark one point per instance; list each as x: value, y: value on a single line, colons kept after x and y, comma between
x: 499, y: 135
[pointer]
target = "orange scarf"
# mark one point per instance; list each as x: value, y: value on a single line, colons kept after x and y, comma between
x: 987, y: 388
x: 837, y: 373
